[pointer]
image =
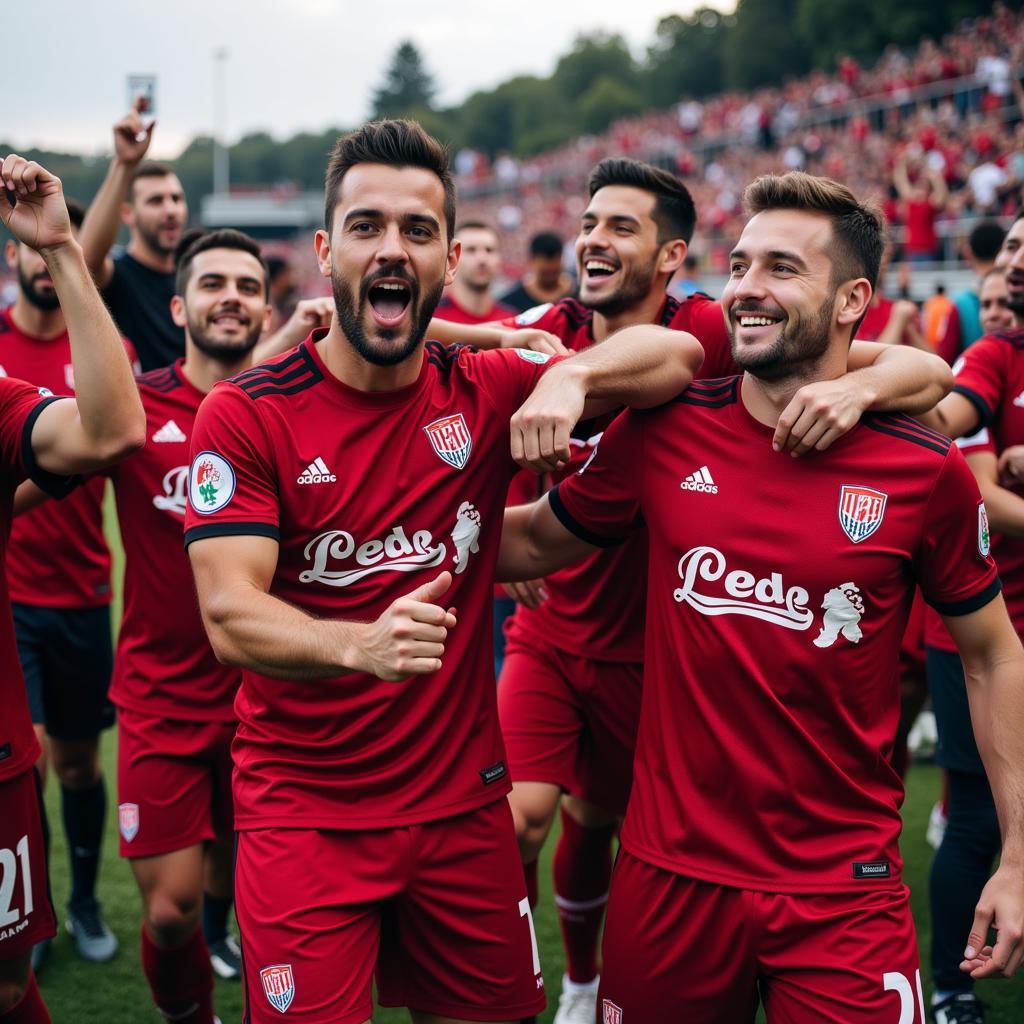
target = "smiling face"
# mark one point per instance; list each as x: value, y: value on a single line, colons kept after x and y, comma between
x: 994, y: 304
x: 1011, y: 259
x: 156, y: 212
x: 618, y: 256
x: 783, y: 309
x: 224, y: 307
x: 388, y: 258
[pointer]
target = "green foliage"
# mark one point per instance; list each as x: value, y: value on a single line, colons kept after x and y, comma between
x: 407, y: 84
x: 606, y: 100
x: 593, y: 57
x: 763, y: 48
x: 687, y: 58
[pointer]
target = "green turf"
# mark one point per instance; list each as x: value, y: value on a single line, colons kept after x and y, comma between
x: 115, y: 993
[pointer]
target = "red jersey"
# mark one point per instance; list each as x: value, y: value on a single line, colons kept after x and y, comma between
x: 403, y: 485
x: 58, y: 557
x: 596, y: 608
x: 20, y: 405
x: 164, y: 664
x: 778, y: 593
x: 449, y: 309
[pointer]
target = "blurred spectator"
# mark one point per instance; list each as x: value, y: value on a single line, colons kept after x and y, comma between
x: 284, y: 290
x: 923, y: 197
x: 470, y: 300
x: 545, y: 280
x: 965, y: 326
x: 996, y: 314
x: 936, y: 312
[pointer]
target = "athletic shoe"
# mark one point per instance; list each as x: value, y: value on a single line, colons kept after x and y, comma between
x: 39, y: 953
x: 226, y: 958
x: 578, y: 1002
x: 961, y: 1008
x: 937, y: 822
x: 93, y: 939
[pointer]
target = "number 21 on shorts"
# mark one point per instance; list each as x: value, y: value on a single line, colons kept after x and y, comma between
x: 8, y: 876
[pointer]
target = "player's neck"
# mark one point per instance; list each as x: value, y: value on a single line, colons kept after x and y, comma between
x: 36, y: 322
x: 162, y: 262
x: 644, y: 312
x: 478, y: 301
x: 765, y: 400
x: 202, y: 371
x: 348, y: 366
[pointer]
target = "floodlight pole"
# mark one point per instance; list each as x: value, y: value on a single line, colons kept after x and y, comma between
x: 221, y: 166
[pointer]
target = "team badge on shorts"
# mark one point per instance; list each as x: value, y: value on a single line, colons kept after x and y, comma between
x: 451, y: 439
x: 861, y: 510
x: 278, y: 986
x: 128, y: 820
x: 211, y: 483
x: 610, y: 1013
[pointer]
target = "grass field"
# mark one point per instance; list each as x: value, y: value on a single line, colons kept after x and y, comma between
x: 116, y: 993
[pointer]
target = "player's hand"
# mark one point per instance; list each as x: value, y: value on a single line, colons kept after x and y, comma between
x: 309, y: 314
x: 541, y: 428
x: 536, y: 340
x: 1001, y: 907
x: 528, y: 593
x: 132, y: 136
x: 818, y: 414
x: 1011, y: 465
x: 39, y: 216
x: 904, y: 311
x: 408, y: 638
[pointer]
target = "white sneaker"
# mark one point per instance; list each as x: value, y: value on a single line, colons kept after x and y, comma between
x: 936, y: 829
x: 578, y: 1002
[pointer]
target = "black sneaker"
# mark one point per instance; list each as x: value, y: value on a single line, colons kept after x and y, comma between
x: 226, y: 958
x: 93, y: 939
x: 961, y: 1008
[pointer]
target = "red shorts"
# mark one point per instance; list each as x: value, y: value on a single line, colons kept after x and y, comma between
x: 570, y: 721
x: 438, y: 910
x: 26, y: 913
x: 173, y: 782
x: 676, y: 949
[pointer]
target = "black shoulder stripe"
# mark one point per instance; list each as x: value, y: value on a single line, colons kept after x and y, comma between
x: 722, y: 391
x: 569, y: 521
x: 905, y: 435
x: 295, y: 373
x: 979, y: 403
x: 162, y: 380
x: 1014, y: 338
x: 903, y: 421
x: 669, y: 310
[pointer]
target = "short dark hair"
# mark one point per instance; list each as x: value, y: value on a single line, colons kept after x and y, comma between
x: 674, y: 212
x: 475, y: 225
x: 276, y: 265
x: 221, y: 238
x: 397, y: 143
x: 148, y: 169
x: 546, y: 243
x: 985, y: 240
x: 76, y: 212
x: 858, y: 229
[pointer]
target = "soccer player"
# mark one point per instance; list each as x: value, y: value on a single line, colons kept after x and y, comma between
x: 470, y: 299
x: 759, y: 852
x: 139, y: 284
x: 370, y: 777
x: 47, y: 439
x: 58, y: 579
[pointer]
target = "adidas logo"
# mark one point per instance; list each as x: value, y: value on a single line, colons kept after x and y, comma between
x: 700, y: 481
x: 317, y: 473
x: 169, y: 433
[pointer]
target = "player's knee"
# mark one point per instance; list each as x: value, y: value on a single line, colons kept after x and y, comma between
x: 77, y: 771
x: 172, y: 919
x: 12, y: 990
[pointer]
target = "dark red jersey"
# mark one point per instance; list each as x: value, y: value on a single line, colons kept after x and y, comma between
x: 369, y: 495
x: 449, y: 309
x: 20, y: 405
x: 596, y: 608
x: 778, y: 592
x: 164, y: 664
x: 58, y: 557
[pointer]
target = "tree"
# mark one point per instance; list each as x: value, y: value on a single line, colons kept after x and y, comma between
x: 764, y: 47
x: 687, y: 56
x: 592, y: 57
x: 605, y: 101
x: 407, y: 84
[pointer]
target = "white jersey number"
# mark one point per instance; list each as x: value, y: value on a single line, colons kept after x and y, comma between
x: 8, y: 870
x: 524, y: 911
x: 893, y: 980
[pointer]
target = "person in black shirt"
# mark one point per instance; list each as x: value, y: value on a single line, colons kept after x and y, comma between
x: 138, y: 285
x: 544, y: 280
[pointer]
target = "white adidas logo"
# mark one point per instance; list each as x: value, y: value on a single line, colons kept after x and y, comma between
x: 169, y: 433
x: 317, y: 473
x: 700, y: 481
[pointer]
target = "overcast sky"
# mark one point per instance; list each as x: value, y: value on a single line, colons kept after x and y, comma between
x: 304, y: 64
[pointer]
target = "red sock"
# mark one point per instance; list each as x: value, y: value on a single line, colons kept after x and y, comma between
x: 30, y: 1009
x: 583, y: 870
x: 530, y: 870
x: 181, y: 979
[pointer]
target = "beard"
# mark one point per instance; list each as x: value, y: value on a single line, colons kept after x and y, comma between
x: 1015, y: 302
x: 635, y: 287
x: 223, y: 351
x: 44, y: 300
x: 801, y: 341
x: 351, y: 316
x: 151, y: 237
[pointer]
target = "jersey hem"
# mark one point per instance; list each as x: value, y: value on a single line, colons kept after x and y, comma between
x: 232, y: 530
x: 972, y: 603
x: 532, y: 639
x: 168, y: 710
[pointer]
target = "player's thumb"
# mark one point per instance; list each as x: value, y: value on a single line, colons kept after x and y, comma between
x: 432, y: 592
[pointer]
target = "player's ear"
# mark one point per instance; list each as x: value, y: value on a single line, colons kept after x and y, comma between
x: 178, y: 311
x: 454, y: 254
x: 853, y: 300
x: 322, y: 248
x: 11, y: 253
x: 672, y: 255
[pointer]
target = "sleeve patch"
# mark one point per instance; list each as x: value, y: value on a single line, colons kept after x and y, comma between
x: 530, y: 356
x: 984, y: 534
x: 532, y: 315
x: 211, y: 484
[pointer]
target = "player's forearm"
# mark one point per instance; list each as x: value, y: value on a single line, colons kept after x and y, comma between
x: 103, y: 218
x: 534, y: 544
x: 1005, y: 509
x: 639, y: 367
x: 902, y: 379
x: 478, y: 335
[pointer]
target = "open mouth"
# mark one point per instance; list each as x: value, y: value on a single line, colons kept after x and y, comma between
x: 389, y: 301
x: 756, y: 319
x: 230, y: 321
x: 599, y: 269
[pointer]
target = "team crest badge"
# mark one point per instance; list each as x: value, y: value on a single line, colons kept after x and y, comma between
x: 984, y: 534
x: 451, y: 439
x: 128, y: 819
x: 610, y: 1013
x: 211, y: 483
x: 278, y: 986
x: 861, y: 510
x: 529, y: 356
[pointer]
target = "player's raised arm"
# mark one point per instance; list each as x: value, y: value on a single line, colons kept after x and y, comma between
x: 250, y: 628
x: 106, y: 420
x: 638, y: 367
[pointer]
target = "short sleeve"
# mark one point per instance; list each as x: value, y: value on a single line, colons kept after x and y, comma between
x: 981, y: 374
x: 953, y: 563
x: 706, y: 322
x: 20, y: 406
x: 506, y: 375
x: 601, y: 502
x: 980, y: 441
x: 232, y: 484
